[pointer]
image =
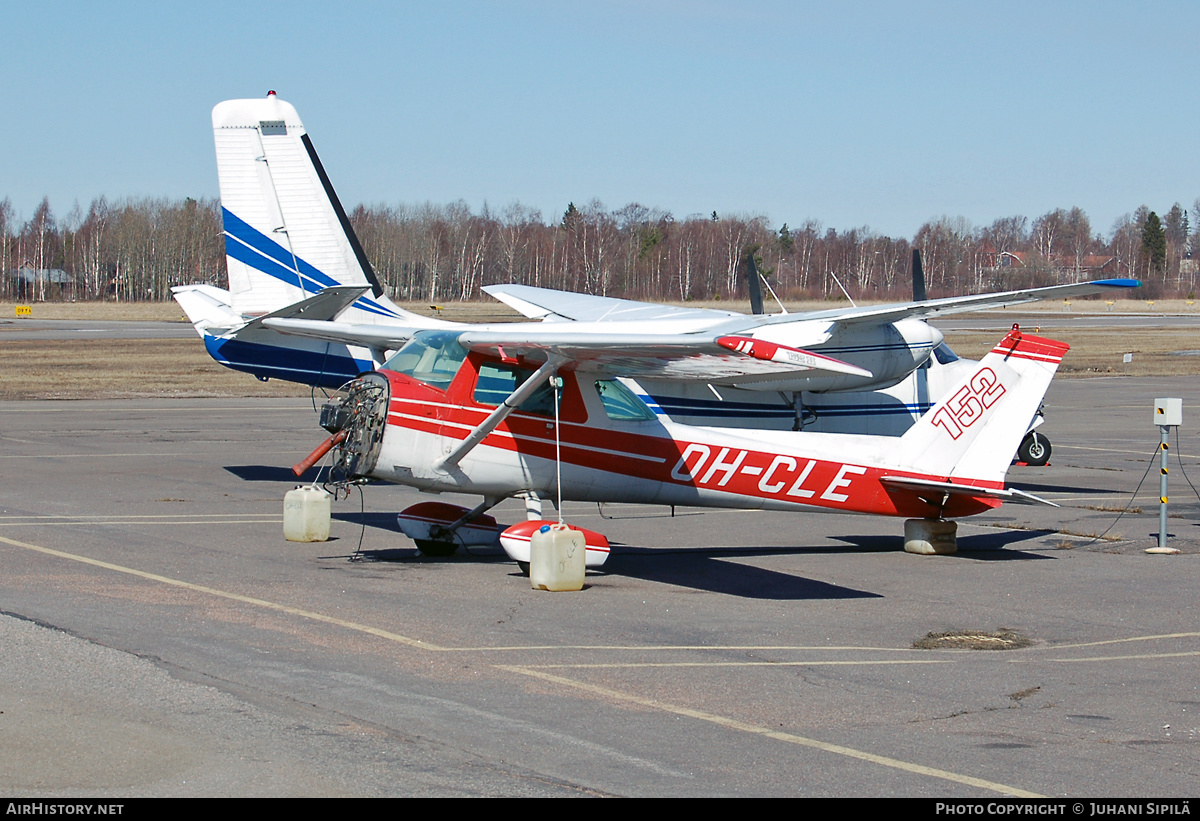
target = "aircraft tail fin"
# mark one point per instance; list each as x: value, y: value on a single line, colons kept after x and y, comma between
x: 287, y: 236
x: 970, y: 436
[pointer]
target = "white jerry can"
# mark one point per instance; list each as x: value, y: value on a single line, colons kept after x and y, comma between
x: 557, y: 559
x: 306, y: 512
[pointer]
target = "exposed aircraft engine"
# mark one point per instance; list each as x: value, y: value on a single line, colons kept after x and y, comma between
x: 361, y: 415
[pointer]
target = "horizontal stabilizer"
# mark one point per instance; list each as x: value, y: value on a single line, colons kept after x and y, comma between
x: 207, y: 307
x: 379, y: 337
x: 924, y: 486
x: 324, y: 306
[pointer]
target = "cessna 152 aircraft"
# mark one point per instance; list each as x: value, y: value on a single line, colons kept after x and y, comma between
x: 305, y: 305
x: 479, y: 411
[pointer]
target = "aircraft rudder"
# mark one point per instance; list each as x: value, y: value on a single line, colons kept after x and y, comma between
x: 973, y: 432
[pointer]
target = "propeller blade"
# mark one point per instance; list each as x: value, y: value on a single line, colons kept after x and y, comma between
x: 918, y: 274
x: 753, y: 285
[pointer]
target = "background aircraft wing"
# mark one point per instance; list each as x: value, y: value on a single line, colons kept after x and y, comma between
x: 957, y: 304
x: 548, y: 304
x: 705, y: 357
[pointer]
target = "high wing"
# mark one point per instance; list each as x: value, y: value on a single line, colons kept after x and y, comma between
x: 616, y: 337
x: 679, y: 351
x: 550, y: 304
x: 709, y: 357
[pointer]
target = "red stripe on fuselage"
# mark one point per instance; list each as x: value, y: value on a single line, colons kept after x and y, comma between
x: 745, y: 472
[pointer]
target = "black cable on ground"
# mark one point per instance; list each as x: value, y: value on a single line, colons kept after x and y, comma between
x: 1179, y: 457
x: 1128, y: 505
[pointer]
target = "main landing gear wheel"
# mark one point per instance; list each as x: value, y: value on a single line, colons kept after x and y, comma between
x: 436, y: 547
x: 1034, y: 450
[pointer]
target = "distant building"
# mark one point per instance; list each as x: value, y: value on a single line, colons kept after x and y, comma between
x: 1093, y: 265
x: 31, y: 282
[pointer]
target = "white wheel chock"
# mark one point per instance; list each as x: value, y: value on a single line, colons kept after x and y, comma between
x: 930, y: 536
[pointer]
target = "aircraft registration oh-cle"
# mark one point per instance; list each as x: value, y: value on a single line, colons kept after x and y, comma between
x: 556, y: 408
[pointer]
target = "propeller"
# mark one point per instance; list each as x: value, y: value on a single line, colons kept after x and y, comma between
x: 753, y: 285
x: 918, y: 274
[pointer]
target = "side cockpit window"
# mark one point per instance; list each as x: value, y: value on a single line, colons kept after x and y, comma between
x: 432, y: 357
x: 621, y: 404
x: 496, y: 382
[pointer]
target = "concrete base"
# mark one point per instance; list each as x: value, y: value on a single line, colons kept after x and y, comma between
x: 930, y: 536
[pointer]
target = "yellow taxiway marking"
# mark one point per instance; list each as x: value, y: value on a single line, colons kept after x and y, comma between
x: 156, y: 454
x: 104, y: 517
x: 830, y: 663
x: 538, y: 671
x: 1125, y: 657
x: 155, y: 519
x: 789, y: 738
x: 723, y: 721
x: 212, y: 591
x: 129, y: 522
x: 656, y: 647
x: 1148, y: 455
x: 1131, y: 657
x: 77, y: 408
x: 1127, y: 640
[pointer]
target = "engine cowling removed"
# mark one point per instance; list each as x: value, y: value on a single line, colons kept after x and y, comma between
x: 361, y: 415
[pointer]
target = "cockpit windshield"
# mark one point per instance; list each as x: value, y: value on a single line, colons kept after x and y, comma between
x: 432, y: 357
x: 944, y: 355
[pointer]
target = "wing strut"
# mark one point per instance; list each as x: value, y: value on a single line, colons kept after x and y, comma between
x: 523, y: 392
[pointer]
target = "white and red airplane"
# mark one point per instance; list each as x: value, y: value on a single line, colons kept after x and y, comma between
x: 304, y: 305
x: 526, y: 411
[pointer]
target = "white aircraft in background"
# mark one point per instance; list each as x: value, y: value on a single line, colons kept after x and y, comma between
x: 304, y: 305
x: 293, y: 258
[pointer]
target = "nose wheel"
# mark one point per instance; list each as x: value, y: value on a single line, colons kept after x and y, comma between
x: 1034, y: 450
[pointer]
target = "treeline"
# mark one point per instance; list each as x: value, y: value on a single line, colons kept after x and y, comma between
x: 135, y: 250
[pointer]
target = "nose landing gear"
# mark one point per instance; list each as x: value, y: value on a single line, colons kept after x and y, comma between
x: 1034, y: 450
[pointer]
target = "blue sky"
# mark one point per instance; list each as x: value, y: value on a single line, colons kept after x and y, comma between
x: 855, y: 114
